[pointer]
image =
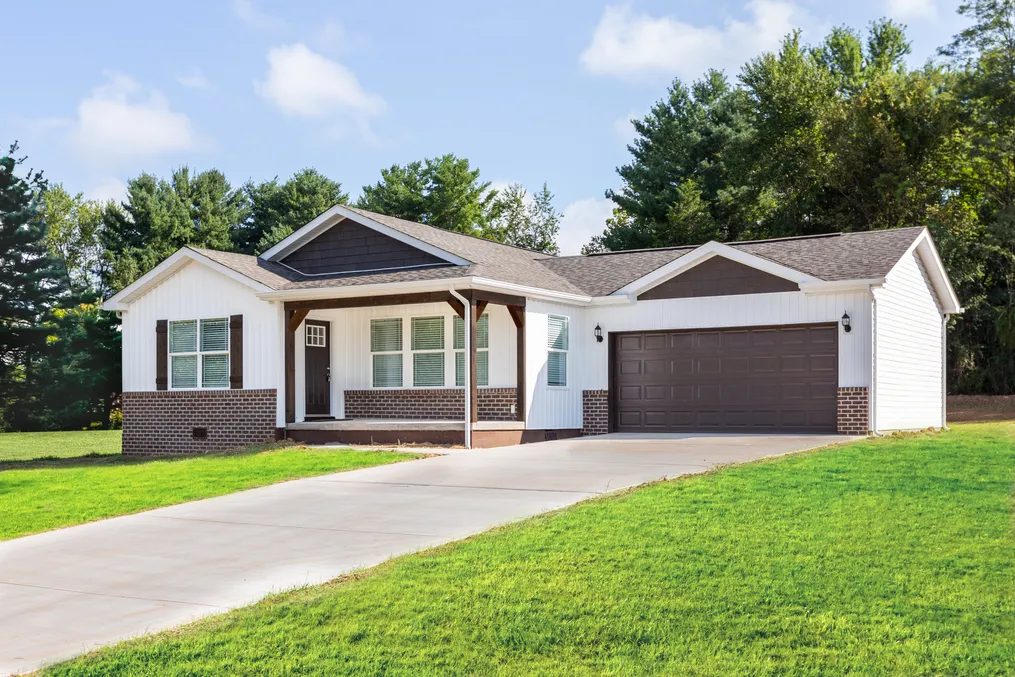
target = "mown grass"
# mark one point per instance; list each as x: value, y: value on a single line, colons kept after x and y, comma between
x: 40, y: 495
x: 885, y: 557
x: 28, y: 446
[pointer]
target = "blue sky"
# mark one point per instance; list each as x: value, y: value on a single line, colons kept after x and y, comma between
x: 528, y: 91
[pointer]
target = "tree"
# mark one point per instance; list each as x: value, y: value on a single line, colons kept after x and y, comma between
x: 161, y: 216
x: 72, y: 235
x: 27, y: 277
x: 277, y: 210
x: 444, y: 192
x: 523, y: 221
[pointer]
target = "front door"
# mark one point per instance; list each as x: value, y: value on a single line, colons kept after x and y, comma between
x: 318, y: 342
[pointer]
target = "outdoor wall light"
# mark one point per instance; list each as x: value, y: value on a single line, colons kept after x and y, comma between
x: 845, y: 323
x: 599, y: 334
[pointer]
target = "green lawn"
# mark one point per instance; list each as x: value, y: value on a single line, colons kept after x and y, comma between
x: 41, y: 495
x: 25, y: 446
x: 885, y: 557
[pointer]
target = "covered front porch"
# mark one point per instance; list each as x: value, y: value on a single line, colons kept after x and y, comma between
x: 444, y: 367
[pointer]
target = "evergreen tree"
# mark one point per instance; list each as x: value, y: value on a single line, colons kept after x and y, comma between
x: 277, y: 210
x: 523, y: 221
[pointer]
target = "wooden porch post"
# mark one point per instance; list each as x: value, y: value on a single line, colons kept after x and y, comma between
x: 293, y: 319
x: 518, y: 315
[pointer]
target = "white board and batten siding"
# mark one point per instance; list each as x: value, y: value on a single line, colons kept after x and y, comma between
x: 351, y: 362
x: 195, y: 292
x: 909, y: 349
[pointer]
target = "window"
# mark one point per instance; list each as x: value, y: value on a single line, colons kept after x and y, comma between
x: 428, y: 352
x: 316, y: 336
x: 386, y: 346
x: 482, y: 351
x: 199, y: 353
x: 557, y: 342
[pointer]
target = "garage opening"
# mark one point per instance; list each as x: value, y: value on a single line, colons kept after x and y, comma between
x: 779, y: 379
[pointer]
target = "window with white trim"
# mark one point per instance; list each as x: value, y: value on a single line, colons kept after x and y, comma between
x: 386, y: 349
x: 316, y: 336
x: 427, y: 345
x: 482, y: 350
x: 199, y: 353
x: 557, y: 343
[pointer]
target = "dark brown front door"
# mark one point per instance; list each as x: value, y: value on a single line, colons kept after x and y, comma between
x: 318, y: 343
x: 755, y: 379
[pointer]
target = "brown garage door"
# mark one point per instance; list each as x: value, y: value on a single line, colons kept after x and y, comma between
x: 756, y: 379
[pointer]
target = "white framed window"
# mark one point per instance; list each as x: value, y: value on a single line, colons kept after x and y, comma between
x: 482, y: 350
x: 317, y: 336
x: 199, y: 354
x: 386, y: 352
x: 428, y: 352
x: 557, y: 343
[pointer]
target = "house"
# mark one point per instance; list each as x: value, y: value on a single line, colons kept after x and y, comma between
x: 362, y: 327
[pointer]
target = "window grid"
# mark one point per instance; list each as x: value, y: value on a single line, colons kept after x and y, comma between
x: 316, y: 336
x: 199, y: 354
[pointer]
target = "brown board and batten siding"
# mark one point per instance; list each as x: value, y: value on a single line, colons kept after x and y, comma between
x: 749, y: 379
x: 719, y: 276
x: 348, y: 247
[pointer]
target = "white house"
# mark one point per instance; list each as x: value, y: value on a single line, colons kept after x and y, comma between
x: 362, y: 327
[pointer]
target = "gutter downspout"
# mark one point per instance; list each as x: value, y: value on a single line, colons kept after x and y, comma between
x: 944, y: 371
x: 468, y: 367
x: 873, y: 399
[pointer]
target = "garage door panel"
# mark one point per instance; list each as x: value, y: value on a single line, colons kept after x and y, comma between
x: 775, y: 379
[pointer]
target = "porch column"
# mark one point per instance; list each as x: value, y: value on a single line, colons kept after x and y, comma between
x: 293, y: 319
x: 518, y: 315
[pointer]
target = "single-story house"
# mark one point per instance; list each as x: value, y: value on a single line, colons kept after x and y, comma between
x: 361, y: 327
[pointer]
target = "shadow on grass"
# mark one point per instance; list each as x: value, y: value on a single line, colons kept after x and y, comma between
x: 110, y: 460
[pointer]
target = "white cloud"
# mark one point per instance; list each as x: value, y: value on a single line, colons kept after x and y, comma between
x: 582, y: 220
x: 912, y: 9
x: 194, y: 80
x: 246, y: 12
x: 108, y: 189
x: 625, y: 129
x: 306, y: 84
x: 631, y: 44
x: 120, y: 123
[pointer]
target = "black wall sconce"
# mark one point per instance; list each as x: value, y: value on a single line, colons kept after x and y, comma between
x: 845, y: 323
x: 599, y: 334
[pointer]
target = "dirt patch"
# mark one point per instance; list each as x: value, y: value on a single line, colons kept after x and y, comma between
x: 981, y: 408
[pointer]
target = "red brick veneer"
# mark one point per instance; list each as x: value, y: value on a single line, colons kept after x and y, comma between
x: 163, y: 422
x: 852, y: 412
x: 595, y: 412
x: 429, y: 404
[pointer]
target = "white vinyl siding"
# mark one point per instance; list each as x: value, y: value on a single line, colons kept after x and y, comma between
x: 199, y: 354
x: 909, y: 336
x: 428, y: 352
x: 557, y: 343
x: 482, y: 350
x: 386, y: 346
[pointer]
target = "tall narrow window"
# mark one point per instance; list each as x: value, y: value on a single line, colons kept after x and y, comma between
x: 386, y: 349
x: 199, y: 353
x: 482, y: 351
x: 557, y: 342
x: 428, y: 352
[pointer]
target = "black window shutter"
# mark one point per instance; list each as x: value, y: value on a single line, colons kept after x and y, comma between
x: 236, y: 351
x: 162, y: 355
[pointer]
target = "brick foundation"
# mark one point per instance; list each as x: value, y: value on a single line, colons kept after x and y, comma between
x: 595, y: 412
x: 422, y: 404
x: 852, y: 411
x: 163, y: 422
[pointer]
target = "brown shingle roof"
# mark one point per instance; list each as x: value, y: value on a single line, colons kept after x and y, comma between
x: 840, y: 256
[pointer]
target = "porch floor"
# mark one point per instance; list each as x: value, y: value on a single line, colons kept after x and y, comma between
x: 402, y: 424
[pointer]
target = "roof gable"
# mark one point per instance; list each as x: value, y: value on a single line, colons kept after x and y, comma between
x: 350, y: 247
x: 718, y: 276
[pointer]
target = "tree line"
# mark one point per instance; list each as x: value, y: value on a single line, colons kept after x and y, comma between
x: 840, y: 137
x: 835, y: 137
x: 61, y: 254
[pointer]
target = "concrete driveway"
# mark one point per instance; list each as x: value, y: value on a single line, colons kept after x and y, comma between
x: 68, y: 591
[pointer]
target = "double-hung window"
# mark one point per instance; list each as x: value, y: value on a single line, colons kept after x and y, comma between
x: 386, y: 349
x: 199, y: 353
x: 428, y: 352
x: 482, y: 351
x: 557, y: 343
